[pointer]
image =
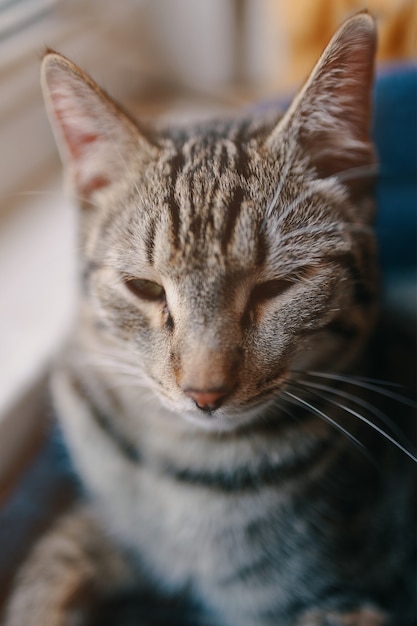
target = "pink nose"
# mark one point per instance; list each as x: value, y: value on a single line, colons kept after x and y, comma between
x: 207, y: 399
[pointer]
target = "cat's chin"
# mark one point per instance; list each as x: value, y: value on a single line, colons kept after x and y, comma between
x: 223, y: 420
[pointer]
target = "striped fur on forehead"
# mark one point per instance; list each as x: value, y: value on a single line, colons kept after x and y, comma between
x: 201, y: 202
x: 217, y: 196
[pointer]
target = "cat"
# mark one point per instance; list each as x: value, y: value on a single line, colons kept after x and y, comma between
x: 212, y: 390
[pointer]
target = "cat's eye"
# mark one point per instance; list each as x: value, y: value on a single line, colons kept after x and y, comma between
x: 146, y: 289
x: 270, y: 289
x: 262, y: 293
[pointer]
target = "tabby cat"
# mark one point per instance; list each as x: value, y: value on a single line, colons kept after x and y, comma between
x: 213, y: 394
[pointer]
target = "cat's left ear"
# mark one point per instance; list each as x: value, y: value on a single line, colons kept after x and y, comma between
x: 330, y: 116
x: 95, y: 138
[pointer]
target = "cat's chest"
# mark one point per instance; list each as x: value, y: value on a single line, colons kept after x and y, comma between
x: 215, y: 541
x: 190, y: 518
x: 234, y: 549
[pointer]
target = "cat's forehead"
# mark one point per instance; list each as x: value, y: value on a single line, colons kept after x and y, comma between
x: 209, y: 203
x: 210, y: 198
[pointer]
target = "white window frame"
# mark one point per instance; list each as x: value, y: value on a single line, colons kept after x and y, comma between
x: 29, y: 161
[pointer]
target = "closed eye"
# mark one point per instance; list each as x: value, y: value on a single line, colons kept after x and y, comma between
x: 262, y: 293
x: 274, y: 288
x: 145, y: 289
x: 270, y: 289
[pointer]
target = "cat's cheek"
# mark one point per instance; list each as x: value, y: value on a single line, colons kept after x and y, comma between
x: 268, y: 360
x: 338, y: 347
x: 133, y: 329
x: 282, y: 344
x: 303, y: 308
x: 135, y: 322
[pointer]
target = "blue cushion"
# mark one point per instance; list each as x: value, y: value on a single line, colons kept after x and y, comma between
x: 395, y: 137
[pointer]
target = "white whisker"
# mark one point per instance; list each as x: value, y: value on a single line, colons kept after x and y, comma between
x: 356, y: 173
x: 283, y: 179
x: 310, y: 230
x: 360, y: 402
x: 365, y: 385
x: 330, y: 228
x: 328, y: 419
x: 295, y: 203
x: 115, y: 145
x: 365, y: 420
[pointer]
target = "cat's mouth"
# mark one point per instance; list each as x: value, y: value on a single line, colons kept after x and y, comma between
x: 238, y: 407
x: 234, y: 410
x: 221, y: 420
x: 234, y: 415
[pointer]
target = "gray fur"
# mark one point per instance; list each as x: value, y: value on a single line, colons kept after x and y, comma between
x: 265, y: 519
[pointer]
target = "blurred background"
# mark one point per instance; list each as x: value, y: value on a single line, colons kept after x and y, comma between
x: 156, y: 54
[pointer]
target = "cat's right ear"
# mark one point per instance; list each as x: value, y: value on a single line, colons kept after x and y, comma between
x: 330, y: 116
x: 95, y: 137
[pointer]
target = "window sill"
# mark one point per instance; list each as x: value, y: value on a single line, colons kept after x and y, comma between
x: 37, y: 287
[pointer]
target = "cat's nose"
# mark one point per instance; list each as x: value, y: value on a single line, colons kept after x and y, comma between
x: 208, y: 399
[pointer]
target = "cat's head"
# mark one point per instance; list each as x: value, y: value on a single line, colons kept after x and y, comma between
x: 224, y: 257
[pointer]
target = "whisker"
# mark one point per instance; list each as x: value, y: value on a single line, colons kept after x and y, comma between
x: 115, y: 361
x: 127, y: 374
x: 125, y: 383
x: 378, y: 381
x: 294, y: 204
x: 288, y: 164
x: 360, y: 402
x: 368, y: 379
x: 364, y: 171
x: 364, y: 419
x: 271, y: 410
x: 111, y: 358
x: 130, y: 377
x: 355, y: 173
x: 59, y: 194
x: 364, y: 385
x: 310, y: 230
x: 331, y: 421
x: 117, y: 366
x: 146, y: 399
x: 123, y: 161
x: 117, y: 354
x: 329, y: 229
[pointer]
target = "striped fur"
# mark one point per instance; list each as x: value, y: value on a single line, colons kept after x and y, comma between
x: 220, y: 261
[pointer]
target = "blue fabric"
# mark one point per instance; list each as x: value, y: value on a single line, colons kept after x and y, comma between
x: 395, y: 137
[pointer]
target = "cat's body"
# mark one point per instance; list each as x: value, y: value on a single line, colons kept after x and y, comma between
x: 227, y: 267
x: 260, y: 525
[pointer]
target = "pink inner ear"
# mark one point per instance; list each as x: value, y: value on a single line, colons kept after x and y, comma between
x: 76, y: 139
x: 90, y: 185
x: 78, y: 142
x: 79, y: 139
